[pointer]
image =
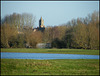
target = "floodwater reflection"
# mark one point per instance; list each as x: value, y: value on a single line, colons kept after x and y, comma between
x: 41, y: 56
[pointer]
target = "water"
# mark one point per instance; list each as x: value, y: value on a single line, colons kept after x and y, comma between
x: 41, y: 56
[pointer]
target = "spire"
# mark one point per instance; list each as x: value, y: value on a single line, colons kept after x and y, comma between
x: 41, y: 17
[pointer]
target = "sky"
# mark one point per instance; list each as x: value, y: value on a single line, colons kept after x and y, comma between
x: 53, y: 12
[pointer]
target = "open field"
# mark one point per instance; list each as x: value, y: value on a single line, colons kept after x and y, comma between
x: 50, y: 67
x: 62, y: 51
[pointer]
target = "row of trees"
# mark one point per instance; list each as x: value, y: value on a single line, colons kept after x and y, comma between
x: 16, y: 32
x: 77, y: 33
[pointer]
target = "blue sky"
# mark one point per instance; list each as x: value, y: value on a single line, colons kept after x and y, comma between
x: 53, y: 12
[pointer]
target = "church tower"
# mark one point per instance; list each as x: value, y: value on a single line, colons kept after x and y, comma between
x: 41, y: 23
x: 41, y: 26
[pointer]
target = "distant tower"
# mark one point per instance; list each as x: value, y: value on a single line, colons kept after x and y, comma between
x: 41, y: 23
x: 41, y: 26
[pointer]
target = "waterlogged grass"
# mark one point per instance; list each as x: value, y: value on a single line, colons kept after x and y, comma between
x: 62, y: 51
x: 50, y: 67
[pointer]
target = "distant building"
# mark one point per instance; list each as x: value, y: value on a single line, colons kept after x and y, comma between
x: 41, y: 26
x: 43, y: 45
x: 41, y: 23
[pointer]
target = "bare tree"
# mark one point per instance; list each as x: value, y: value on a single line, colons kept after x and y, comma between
x: 6, y: 33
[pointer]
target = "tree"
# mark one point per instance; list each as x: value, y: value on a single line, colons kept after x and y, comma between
x: 56, y: 43
x: 13, y: 25
x: 86, y: 32
x: 68, y: 37
x: 93, y: 36
x: 47, y: 35
x: 80, y: 36
x: 6, y: 33
x: 27, y: 19
x: 19, y: 20
x: 93, y: 30
x: 34, y: 38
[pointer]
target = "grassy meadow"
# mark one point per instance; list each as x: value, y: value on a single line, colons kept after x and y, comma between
x: 51, y: 67
x: 62, y: 51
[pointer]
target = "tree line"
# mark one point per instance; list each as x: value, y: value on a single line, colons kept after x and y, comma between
x: 82, y: 33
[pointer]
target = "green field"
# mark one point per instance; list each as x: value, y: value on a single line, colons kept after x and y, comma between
x: 62, y: 51
x: 50, y: 67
